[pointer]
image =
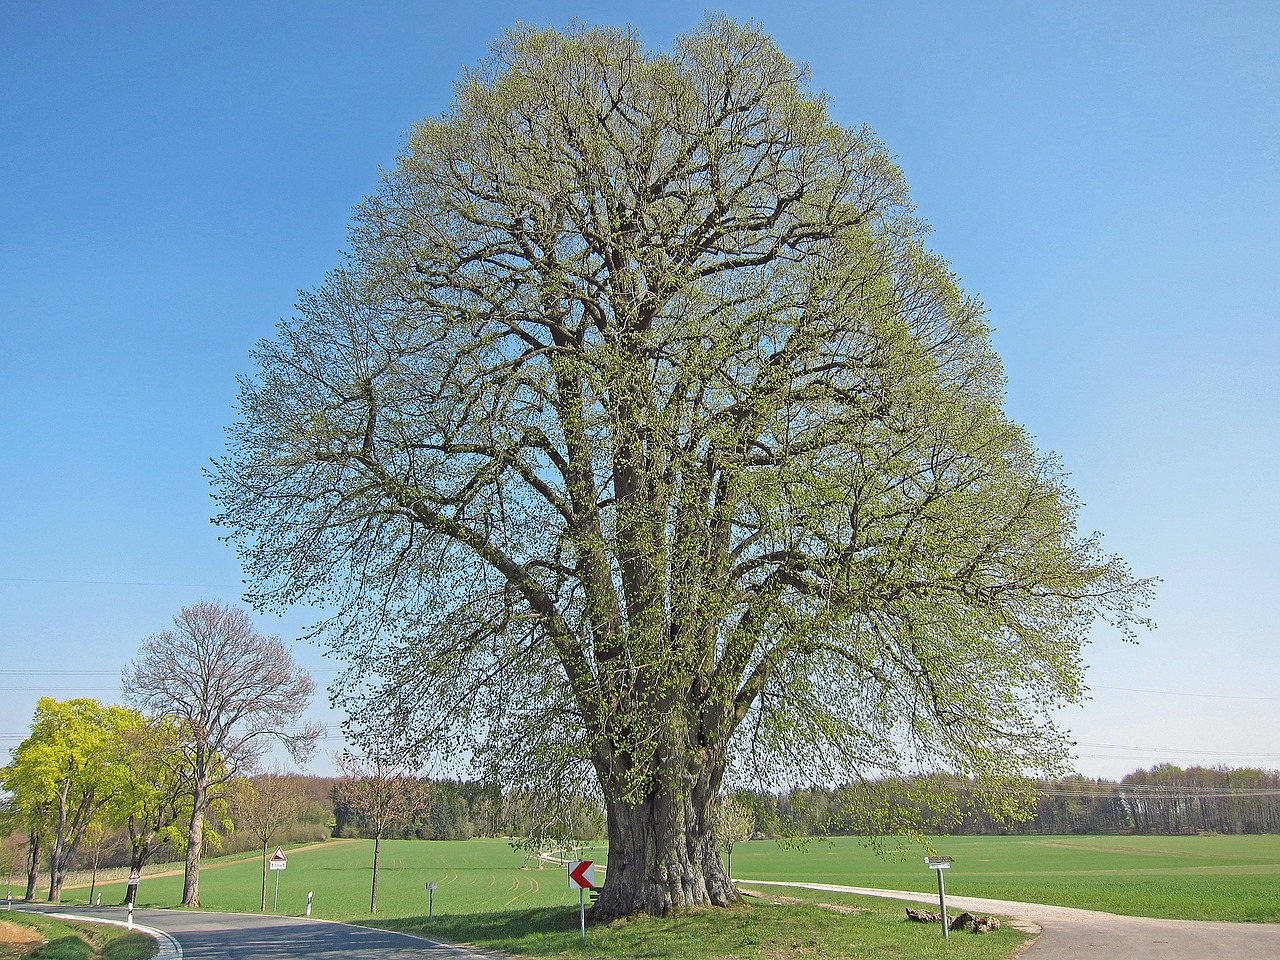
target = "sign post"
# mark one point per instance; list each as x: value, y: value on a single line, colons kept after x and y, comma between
x: 939, y: 864
x: 582, y: 875
x: 431, y: 899
x: 278, y: 861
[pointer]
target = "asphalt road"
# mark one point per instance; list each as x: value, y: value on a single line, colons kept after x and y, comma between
x: 220, y: 936
x: 1069, y: 934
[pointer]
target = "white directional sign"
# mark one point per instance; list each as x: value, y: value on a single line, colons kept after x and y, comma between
x: 278, y: 860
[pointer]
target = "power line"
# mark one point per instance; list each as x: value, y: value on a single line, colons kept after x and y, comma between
x: 123, y: 583
x: 57, y: 673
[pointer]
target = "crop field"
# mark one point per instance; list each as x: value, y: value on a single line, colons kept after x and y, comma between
x: 1205, y: 878
x: 472, y: 876
x: 1193, y: 878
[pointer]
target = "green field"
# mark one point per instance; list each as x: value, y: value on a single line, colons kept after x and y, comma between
x: 1193, y: 878
x: 485, y: 898
x: 473, y: 876
x: 1219, y: 878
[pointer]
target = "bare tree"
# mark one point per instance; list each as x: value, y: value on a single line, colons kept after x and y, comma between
x: 265, y: 805
x: 380, y: 791
x: 232, y: 692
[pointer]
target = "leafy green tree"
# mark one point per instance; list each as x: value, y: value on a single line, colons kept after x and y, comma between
x: 68, y: 768
x: 639, y: 440
x: 230, y: 692
x: 24, y: 811
x: 11, y: 827
x: 153, y: 803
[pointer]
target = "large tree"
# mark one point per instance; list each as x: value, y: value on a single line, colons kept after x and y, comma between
x: 230, y: 692
x: 639, y: 435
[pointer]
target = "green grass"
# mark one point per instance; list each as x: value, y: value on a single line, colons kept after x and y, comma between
x: 763, y: 929
x: 1201, y: 878
x: 474, y: 876
x: 485, y: 898
x: 1192, y: 878
x: 68, y: 940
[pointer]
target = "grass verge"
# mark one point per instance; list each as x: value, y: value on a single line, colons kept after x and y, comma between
x: 766, y: 927
x: 68, y: 940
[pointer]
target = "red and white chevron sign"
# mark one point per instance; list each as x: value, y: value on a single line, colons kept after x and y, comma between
x: 582, y: 874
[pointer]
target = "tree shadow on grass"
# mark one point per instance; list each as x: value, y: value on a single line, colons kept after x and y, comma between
x: 488, y: 928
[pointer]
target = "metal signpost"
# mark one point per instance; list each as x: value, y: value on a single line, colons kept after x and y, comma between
x: 431, y: 899
x: 278, y: 862
x: 939, y: 864
x: 582, y: 875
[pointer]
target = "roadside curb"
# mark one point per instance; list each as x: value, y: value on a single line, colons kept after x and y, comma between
x: 170, y: 949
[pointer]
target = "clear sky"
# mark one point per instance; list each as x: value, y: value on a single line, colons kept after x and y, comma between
x: 1106, y: 177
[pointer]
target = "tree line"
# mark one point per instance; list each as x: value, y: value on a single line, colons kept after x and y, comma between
x: 1165, y: 799
x: 460, y: 810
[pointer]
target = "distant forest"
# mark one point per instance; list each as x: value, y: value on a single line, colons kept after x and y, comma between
x: 1163, y: 800
x: 1166, y: 800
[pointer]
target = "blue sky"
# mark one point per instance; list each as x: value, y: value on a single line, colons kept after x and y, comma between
x: 1106, y: 178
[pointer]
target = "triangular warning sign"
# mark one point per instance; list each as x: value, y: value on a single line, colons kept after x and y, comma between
x: 278, y: 855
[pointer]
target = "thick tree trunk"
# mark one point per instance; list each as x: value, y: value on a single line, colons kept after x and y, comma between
x: 663, y: 855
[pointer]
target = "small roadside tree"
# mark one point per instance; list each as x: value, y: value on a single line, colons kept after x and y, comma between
x: 230, y: 691
x: 735, y: 823
x: 264, y: 805
x: 94, y: 835
x: 379, y: 790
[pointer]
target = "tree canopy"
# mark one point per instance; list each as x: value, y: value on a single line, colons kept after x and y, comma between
x: 639, y: 435
x: 63, y: 774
